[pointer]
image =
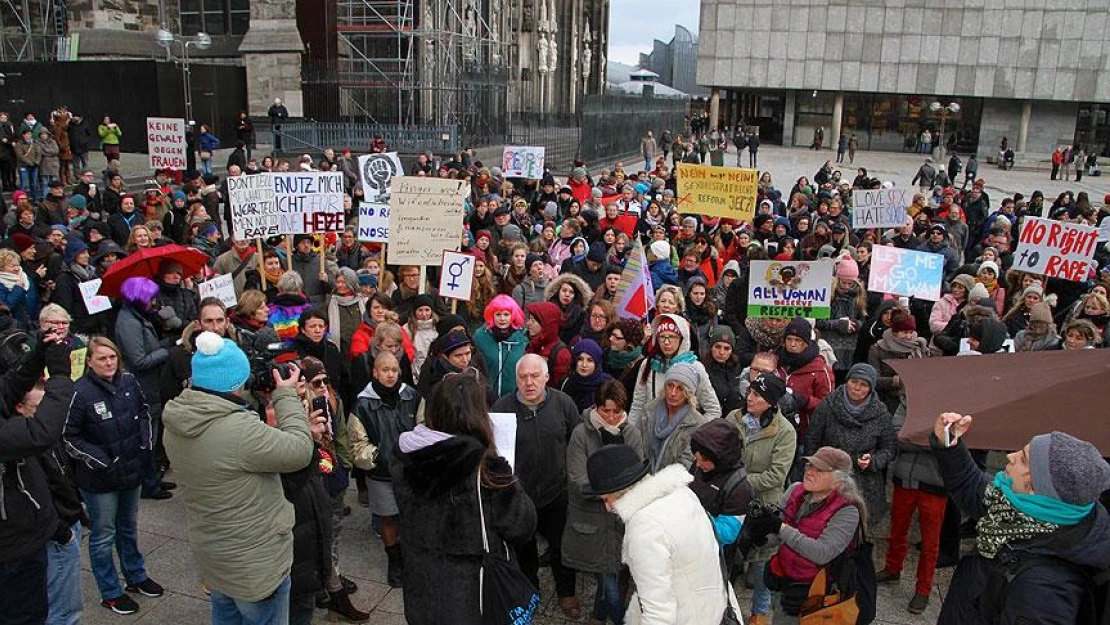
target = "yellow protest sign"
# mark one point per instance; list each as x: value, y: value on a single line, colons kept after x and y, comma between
x: 717, y: 191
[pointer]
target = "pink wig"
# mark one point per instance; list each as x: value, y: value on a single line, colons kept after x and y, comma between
x: 504, y: 302
x: 139, y: 291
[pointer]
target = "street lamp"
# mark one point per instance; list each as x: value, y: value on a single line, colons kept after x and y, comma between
x: 944, y: 110
x: 202, y: 41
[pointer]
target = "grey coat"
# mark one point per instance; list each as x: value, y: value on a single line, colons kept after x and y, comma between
x: 915, y: 467
x: 49, y: 165
x: 308, y: 266
x: 869, y: 433
x: 677, y: 446
x: 845, y: 306
x: 143, y: 352
x: 592, y: 536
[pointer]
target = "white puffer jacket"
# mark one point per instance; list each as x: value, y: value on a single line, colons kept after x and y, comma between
x: 672, y: 553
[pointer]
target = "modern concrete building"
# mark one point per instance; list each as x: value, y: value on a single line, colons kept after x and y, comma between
x: 1035, y: 72
x: 676, y: 61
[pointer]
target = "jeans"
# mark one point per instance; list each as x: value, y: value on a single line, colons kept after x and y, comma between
x: 80, y: 163
x: 761, y: 596
x: 302, y: 608
x: 44, y: 183
x: 930, y: 515
x: 29, y: 180
x: 114, y: 518
x: 206, y: 166
x: 608, y: 602
x: 63, y: 580
x: 23, y: 589
x: 273, y: 610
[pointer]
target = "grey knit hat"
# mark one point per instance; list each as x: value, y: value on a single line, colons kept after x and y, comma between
x: 1068, y: 469
x: 865, y: 372
x: 685, y: 374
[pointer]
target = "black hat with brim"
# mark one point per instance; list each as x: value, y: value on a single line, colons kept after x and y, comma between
x: 613, y: 468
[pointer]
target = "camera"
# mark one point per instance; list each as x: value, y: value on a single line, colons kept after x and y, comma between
x: 264, y: 362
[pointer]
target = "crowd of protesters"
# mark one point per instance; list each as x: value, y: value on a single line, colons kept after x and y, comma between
x: 336, y: 367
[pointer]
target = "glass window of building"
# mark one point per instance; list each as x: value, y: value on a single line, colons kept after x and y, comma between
x: 215, y: 17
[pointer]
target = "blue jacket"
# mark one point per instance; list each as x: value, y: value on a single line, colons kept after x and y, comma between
x: 500, y: 358
x: 107, y: 431
x: 208, y: 142
x: 662, y: 273
x: 24, y: 304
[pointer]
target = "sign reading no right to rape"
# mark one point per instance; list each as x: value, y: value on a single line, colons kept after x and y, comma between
x: 1056, y: 249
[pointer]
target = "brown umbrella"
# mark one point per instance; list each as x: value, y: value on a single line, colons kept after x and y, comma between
x: 1013, y: 397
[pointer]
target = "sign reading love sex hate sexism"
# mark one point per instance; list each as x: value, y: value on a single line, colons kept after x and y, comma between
x: 880, y: 208
x: 906, y: 272
x: 1055, y: 249
x: 790, y: 289
x: 523, y: 161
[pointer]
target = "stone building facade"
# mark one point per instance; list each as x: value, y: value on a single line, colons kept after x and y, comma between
x: 1028, y: 71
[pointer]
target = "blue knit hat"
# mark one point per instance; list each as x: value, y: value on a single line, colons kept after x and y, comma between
x: 74, y: 246
x: 218, y: 364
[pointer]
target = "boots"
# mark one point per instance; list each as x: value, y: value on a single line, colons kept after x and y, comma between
x: 340, y: 607
x: 396, y: 565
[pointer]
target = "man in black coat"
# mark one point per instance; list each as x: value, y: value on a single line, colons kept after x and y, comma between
x: 1041, y: 531
x: 545, y: 419
x: 27, y: 518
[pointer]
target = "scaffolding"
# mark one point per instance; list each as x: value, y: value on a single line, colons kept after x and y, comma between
x: 424, y: 62
x: 32, y: 30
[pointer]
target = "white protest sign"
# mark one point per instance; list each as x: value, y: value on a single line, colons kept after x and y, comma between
x: 425, y: 218
x: 309, y: 202
x: 1007, y: 346
x: 1055, y: 249
x: 221, y: 287
x: 906, y: 272
x: 93, y: 303
x: 377, y: 171
x: 790, y: 288
x: 881, y: 208
x: 253, y: 209
x: 523, y: 161
x: 504, y: 435
x: 456, y: 275
x: 165, y: 142
x: 1104, y: 230
x: 373, y: 222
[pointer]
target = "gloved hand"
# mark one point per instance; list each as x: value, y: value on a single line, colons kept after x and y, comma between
x: 762, y: 521
x: 800, y: 398
x: 169, y: 318
x: 56, y: 356
x: 63, y: 534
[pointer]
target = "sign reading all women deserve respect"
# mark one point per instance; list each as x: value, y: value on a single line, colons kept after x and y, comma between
x: 790, y: 288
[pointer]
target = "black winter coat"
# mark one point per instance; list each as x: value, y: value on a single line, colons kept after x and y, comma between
x: 1050, y: 592
x: 312, y: 528
x: 107, y: 432
x: 726, y: 383
x: 27, y: 520
x: 436, y: 490
x: 541, y: 443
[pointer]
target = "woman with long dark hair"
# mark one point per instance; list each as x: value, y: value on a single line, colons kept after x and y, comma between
x: 443, y: 470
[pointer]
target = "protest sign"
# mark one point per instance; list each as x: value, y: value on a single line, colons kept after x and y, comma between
x: 221, y: 287
x: 165, y: 142
x: 906, y: 272
x: 425, y: 218
x: 1104, y: 230
x: 790, y: 288
x: 1055, y: 249
x: 717, y: 191
x: 504, y: 435
x: 881, y: 208
x: 253, y: 211
x: 377, y: 171
x: 93, y: 303
x: 522, y: 161
x: 373, y: 222
x: 309, y: 201
x: 456, y: 275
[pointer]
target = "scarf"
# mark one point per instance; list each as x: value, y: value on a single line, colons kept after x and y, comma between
x: 1026, y: 341
x: 272, y: 277
x: 584, y: 388
x: 334, y: 303
x: 620, y: 361
x: 83, y: 273
x: 660, y: 364
x: 1004, y: 522
x: 852, y: 409
x: 420, y: 437
x: 662, y: 430
x: 501, y: 334
x: 792, y: 362
x: 602, y: 426
x: 911, y: 348
x: 698, y: 316
x: 990, y: 285
x: 752, y: 425
x: 764, y: 338
x: 389, y: 395
x: 12, y: 280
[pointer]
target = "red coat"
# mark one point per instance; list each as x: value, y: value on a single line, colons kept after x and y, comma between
x: 815, y: 381
x: 580, y: 191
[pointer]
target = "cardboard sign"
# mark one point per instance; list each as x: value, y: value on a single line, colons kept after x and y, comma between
x: 718, y: 191
x: 425, y: 218
x: 906, y: 272
x: 881, y: 208
x: 309, y: 202
x: 456, y: 275
x: 373, y: 222
x: 523, y: 161
x: 221, y: 287
x: 790, y: 288
x: 253, y: 207
x: 1056, y: 249
x: 377, y: 171
x: 93, y: 303
x: 165, y: 143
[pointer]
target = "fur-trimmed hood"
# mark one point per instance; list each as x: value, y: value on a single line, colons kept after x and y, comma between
x: 975, y: 313
x: 585, y: 293
x: 652, y: 488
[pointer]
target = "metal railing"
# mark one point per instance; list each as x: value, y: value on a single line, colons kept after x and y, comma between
x: 313, y: 137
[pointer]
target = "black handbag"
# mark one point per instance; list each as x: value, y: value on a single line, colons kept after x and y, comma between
x: 506, y: 596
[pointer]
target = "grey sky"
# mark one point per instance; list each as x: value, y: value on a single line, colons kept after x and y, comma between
x: 634, y: 24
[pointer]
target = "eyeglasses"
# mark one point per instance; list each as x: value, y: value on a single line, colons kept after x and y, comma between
x: 601, y: 317
x: 668, y: 338
x: 614, y: 335
x: 322, y: 382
